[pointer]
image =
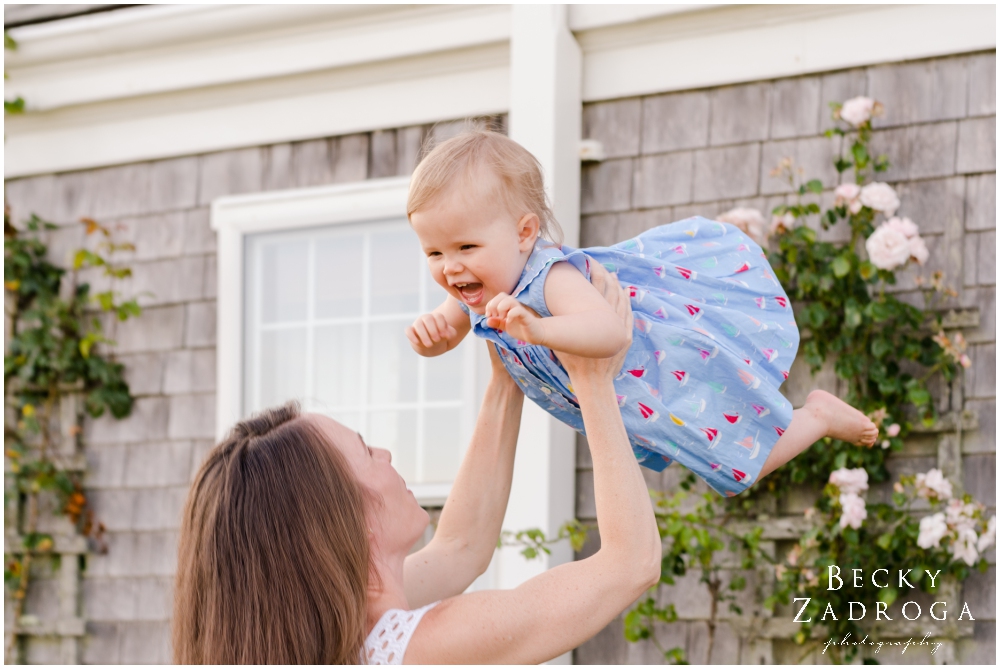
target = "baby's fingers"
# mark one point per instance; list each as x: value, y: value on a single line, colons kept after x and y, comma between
x: 420, y: 329
x: 444, y: 329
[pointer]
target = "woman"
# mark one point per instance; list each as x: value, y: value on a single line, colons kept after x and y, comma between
x: 295, y: 540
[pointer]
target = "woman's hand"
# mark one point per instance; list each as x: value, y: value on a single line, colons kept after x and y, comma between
x: 602, y: 369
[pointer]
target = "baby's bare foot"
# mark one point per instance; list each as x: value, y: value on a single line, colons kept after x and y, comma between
x: 843, y: 421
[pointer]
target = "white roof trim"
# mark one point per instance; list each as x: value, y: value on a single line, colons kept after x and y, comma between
x: 160, y: 81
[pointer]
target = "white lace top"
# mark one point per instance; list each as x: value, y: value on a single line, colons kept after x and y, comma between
x: 388, y: 639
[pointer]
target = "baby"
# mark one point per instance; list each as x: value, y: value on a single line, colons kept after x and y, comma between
x: 713, y: 338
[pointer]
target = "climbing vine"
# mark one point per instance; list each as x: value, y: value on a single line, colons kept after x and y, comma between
x: 887, y: 352
x: 57, y: 347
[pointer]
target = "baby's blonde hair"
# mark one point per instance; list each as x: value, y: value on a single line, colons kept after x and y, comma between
x: 521, y: 189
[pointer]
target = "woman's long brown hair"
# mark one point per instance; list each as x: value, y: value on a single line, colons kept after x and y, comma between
x: 273, y: 561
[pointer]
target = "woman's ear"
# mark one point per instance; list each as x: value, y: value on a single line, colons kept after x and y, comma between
x: 527, y: 232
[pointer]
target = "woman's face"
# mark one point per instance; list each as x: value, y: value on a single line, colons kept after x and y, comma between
x: 400, y: 520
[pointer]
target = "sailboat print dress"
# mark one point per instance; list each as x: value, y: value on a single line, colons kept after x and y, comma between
x: 714, y: 337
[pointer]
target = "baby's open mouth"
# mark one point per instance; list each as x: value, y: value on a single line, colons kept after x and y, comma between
x: 472, y: 293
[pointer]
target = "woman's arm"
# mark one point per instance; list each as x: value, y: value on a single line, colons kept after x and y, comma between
x: 582, y: 322
x: 560, y: 609
x: 439, y: 331
x: 470, y: 521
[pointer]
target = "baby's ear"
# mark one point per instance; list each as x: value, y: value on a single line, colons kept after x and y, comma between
x: 527, y: 231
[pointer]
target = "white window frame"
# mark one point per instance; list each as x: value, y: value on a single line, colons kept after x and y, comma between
x: 235, y: 217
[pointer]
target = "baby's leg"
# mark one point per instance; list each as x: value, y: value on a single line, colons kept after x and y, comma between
x: 823, y: 415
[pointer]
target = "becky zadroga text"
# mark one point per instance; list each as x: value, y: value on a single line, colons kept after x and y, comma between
x: 880, y: 579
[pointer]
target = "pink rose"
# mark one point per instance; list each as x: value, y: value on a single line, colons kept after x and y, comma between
x: 847, y: 195
x: 888, y: 248
x: 933, y: 484
x: 965, y: 361
x: 853, y: 508
x: 850, y: 480
x: 857, y: 111
x: 880, y: 197
x: 893, y: 430
x: 918, y: 250
x: 904, y: 225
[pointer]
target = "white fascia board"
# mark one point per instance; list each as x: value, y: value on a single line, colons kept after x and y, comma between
x: 589, y: 17
x: 739, y: 44
x: 459, y: 84
x: 245, y: 44
x: 233, y: 217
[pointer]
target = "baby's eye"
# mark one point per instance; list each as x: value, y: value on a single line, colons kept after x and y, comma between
x: 433, y: 254
x: 468, y: 246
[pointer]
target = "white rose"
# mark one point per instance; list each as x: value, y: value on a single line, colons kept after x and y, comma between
x: 850, y: 481
x: 918, y: 249
x: 854, y: 510
x: 847, y: 195
x: 857, y: 110
x: 933, y: 484
x: 988, y: 538
x: 887, y: 248
x: 880, y: 197
x: 964, y: 546
x: 932, y: 530
x: 750, y: 221
x: 904, y: 225
x: 960, y: 514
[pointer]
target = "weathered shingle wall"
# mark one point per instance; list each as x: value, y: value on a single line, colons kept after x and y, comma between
x: 140, y: 468
x: 706, y: 151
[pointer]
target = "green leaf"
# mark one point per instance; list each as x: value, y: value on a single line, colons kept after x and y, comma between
x: 841, y: 266
x: 841, y: 165
x: 860, y: 154
x: 15, y: 106
x: 888, y: 595
x: 815, y: 185
x: 884, y: 541
x: 867, y: 270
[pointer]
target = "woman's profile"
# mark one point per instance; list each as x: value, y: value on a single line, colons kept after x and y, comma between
x: 296, y: 535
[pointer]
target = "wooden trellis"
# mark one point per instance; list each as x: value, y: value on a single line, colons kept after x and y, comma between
x: 65, y: 623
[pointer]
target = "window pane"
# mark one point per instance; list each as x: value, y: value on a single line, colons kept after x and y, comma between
x: 282, y: 366
x: 337, y: 365
x: 339, y: 276
x: 284, y: 267
x: 442, y: 445
x: 392, y: 375
x: 397, y: 432
x: 444, y: 374
x: 395, y: 266
x: 435, y: 293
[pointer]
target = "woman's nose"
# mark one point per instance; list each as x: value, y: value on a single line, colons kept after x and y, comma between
x: 387, y: 453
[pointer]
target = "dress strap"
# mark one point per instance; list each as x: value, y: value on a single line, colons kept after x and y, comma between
x: 386, y: 644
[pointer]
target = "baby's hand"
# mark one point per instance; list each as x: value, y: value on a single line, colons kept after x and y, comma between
x: 505, y: 313
x: 429, y: 334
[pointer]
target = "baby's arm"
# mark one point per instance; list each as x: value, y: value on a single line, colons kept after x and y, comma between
x: 582, y: 322
x: 439, y: 331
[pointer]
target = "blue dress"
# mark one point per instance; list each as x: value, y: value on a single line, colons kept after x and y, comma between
x: 713, y: 340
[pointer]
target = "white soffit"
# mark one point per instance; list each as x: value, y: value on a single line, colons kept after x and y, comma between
x: 741, y: 43
x: 161, y: 81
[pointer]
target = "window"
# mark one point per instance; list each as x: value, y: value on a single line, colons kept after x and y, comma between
x: 325, y: 301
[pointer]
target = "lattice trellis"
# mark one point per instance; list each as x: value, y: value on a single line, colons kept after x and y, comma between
x: 63, y: 622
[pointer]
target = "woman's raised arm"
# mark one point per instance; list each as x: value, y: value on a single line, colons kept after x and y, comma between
x: 563, y: 607
x: 471, y: 519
